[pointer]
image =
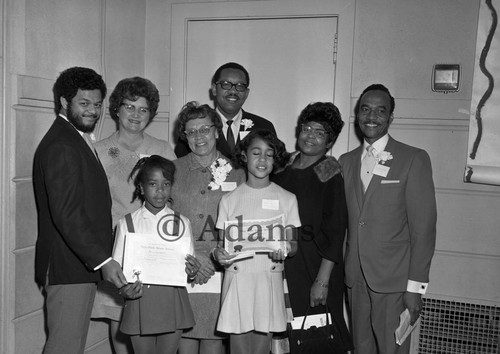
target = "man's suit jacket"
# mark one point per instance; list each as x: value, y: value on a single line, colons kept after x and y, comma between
x: 259, y: 123
x: 392, y: 227
x: 74, y: 208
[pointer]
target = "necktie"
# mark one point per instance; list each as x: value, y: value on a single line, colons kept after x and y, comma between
x: 367, y: 165
x: 230, y: 136
x: 87, y: 139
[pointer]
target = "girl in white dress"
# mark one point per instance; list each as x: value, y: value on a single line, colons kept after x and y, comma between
x: 253, y: 305
x: 155, y: 316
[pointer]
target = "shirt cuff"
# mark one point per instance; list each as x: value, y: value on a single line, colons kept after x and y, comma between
x: 416, y: 287
x: 103, y: 263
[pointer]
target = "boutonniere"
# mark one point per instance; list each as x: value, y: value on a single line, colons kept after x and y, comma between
x: 92, y: 138
x: 220, y: 169
x: 246, y: 123
x: 114, y: 152
x: 383, y: 156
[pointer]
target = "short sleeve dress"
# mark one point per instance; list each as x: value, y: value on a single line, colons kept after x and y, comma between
x: 322, y: 207
x: 192, y: 198
x: 252, y: 291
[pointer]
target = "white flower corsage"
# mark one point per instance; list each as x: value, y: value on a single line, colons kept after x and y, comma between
x: 383, y: 156
x: 220, y: 168
x: 246, y: 123
x: 137, y: 271
x: 92, y: 138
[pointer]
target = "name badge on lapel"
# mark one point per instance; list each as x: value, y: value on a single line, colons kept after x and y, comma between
x: 381, y: 170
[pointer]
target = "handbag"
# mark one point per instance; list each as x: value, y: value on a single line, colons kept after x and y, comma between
x: 317, y: 340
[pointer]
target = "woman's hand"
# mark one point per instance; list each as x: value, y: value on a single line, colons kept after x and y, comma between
x: 193, y: 265
x: 206, y: 270
x: 277, y: 256
x: 132, y: 291
x: 319, y: 293
x: 280, y: 255
x: 222, y: 256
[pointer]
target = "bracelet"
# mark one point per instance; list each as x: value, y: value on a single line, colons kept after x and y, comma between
x: 322, y: 284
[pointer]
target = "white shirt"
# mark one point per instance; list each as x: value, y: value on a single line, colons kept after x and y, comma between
x: 235, y: 126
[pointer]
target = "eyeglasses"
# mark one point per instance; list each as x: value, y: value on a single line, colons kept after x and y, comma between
x: 204, y: 130
x: 130, y: 108
x: 227, y: 85
x: 318, y: 133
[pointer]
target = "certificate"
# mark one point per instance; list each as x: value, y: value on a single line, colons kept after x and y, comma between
x: 257, y: 235
x: 153, y: 260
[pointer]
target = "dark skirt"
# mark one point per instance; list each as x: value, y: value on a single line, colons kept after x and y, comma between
x: 161, y: 309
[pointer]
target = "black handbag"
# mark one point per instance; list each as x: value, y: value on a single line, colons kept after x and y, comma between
x: 316, y: 340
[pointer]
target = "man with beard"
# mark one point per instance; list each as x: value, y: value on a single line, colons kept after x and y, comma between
x: 230, y: 89
x: 74, y: 212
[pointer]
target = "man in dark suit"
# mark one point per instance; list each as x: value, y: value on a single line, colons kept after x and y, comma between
x: 74, y: 212
x: 230, y: 89
x: 392, y: 227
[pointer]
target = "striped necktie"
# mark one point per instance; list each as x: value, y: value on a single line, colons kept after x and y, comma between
x: 367, y: 165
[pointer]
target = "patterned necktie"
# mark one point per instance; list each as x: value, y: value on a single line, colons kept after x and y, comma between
x: 230, y: 136
x: 87, y: 139
x: 367, y: 165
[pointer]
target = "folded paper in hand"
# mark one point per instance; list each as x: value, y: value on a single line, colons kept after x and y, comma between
x: 404, y: 329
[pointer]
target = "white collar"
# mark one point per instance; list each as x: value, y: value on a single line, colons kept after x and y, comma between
x: 236, y: 119
x: 67, y: 120
x: 148, y: 215
x: 378, y: 145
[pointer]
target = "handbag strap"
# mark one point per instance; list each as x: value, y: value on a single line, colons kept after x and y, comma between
x: 307, y: 313
x: 301, y: 333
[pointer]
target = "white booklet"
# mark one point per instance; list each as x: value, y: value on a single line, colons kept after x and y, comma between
x: 405, y: 329
x: 254, y: 236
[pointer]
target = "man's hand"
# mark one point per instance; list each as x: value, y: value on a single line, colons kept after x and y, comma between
x: 413, y: 302
x: 112, y: 272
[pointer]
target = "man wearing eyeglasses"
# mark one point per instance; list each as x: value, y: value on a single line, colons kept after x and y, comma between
x: 230, y: 89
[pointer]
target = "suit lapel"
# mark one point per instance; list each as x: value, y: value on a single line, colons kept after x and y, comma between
x: 358, y: 186
x: 375, y: 181
x: 82, y: 144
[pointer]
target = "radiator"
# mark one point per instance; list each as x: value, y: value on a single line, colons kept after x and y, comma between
x: 451, y: 327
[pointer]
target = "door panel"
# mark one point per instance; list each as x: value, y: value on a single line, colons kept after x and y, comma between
x: 290, y: 61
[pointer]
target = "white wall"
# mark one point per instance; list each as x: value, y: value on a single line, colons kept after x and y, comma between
x: 396, y: 42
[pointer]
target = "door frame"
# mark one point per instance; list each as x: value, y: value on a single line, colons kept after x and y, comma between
x: 343, y: 9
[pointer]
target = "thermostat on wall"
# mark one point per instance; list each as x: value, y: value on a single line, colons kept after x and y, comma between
x: 446, y: 78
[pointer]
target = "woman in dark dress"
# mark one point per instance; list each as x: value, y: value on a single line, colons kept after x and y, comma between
x: 315, y: 274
